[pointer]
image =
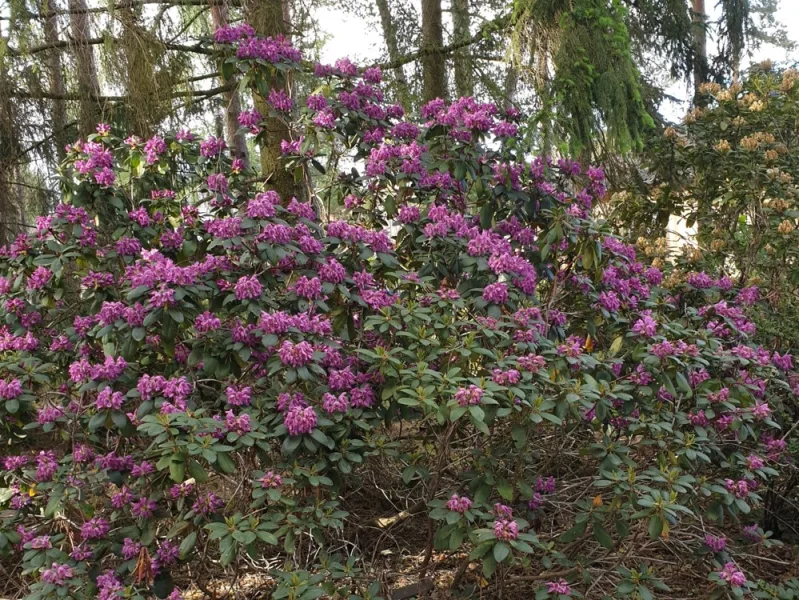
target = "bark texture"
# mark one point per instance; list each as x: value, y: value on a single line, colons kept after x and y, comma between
x: 88, y: 83
x: 461, y: 26
x: 389, y: 27
x: 434, y: 67
x: 699, y: 18
x: 58, y: 113
x: 268, y: 17
x: 235, y: 139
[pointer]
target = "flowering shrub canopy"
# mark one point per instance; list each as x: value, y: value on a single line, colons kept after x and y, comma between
x: 193, y: 371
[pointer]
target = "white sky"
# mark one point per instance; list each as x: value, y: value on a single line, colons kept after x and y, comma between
x: 350, y: 36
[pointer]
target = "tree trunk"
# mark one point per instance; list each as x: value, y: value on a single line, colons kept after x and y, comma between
x: 390, y: 37
x: 699, y: 18
x: 511, y: 85
x: 543, y: 83
x: 9, y: 150
x: 88, y: 83
x: 434, y: 71
x: 142, y: 111
x: 58, y: 114
x: 461, y: 27
x: 268, y: 19
x: 235, y: 138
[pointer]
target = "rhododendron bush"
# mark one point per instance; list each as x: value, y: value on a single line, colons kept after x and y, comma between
x: 200, y: 378
x: 730, y: 169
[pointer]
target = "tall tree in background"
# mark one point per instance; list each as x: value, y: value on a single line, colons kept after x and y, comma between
x: 388, y: 26
x: 232, y: 103
x: 9, y: 149
x: 271, y: 18
x: 88, y: 82
x: 461, y: 31
x: 58, y: 114
x: 434, y: 67
x: 138, y: 64
x: 699, y: 19
x: 742, y: 26
x: 595, y: 84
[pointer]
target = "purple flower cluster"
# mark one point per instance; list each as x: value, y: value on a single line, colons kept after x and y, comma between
x: 41, y: 277
x: 271, y: 480
x: 740, y: 488
x: 237, y: 424
x: 251, y: 119
x: 335, y: 404
x: 700, y: 281
x: 217, y: 182
x: 509, y: 377
x: 274, y: 50
x: 715, y: 543
x: 749, y: 295
x: 107, y: 398
x: 645, y: 326
x: 108, y: 586
x: 469, y: 396
x: 212, y: 147
x: 296, y: 355
x: 752, y: 533
x: 378, y: 241
x: 177, y: 388
x: 280, y: 100
x: 239, y: 396
x: 98, y: 162
x: 559, y: 587
x: 316, y: 102
x: 206, y: 322
x: 732, y: 575
x: 248, y: 288
x: 225, y: 228
x: 496, y: 293
x: 95, y: 528
x: 506, y: 529
x: 307, y: 288
x: 263, y: 205
x: 154, y: 147
x: 130, y: 549
x: 9, y: 390
x: 57, y: 574
x: 208, y: 504
x: 300, y: 420
x: 233, y: 33
x: 459, y: 504
x: 143, y: 508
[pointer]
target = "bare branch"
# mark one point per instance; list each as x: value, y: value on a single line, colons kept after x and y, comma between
x: 198, y: 49
x: 135, y: 3
x: 74, y: 97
